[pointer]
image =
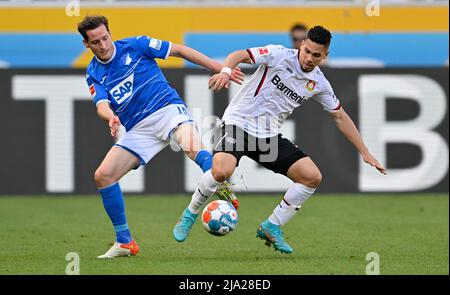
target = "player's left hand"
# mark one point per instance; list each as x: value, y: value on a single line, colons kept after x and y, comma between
x: 369, y: 159
x: 218, y: 81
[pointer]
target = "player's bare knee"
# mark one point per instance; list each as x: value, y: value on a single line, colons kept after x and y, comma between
x: 102, y: 178
x: 318, y: 178
x: 314, y: 179
x: 220, y: 174
x: 98, y: 177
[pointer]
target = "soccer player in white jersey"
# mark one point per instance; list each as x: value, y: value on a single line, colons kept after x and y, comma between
x: 129, y: 89
x: 284, y: 80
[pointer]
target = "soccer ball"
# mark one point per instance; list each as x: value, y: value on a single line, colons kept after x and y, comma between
x: 219, y: 218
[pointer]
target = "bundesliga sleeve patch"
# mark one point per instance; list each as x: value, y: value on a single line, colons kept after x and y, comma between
x: 263, y: 51
x: 155, y: 43
x: 92, y: 90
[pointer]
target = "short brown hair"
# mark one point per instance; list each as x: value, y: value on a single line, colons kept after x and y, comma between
x: 90, y: 23
x: 299, y: 27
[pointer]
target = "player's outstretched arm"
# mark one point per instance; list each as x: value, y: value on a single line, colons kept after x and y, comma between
x: 202, y: 60
x: 345, y: 124
x: 106, y: 114
x: 220, y: 80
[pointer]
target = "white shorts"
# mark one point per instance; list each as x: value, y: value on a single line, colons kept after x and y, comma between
x: 148, y: 137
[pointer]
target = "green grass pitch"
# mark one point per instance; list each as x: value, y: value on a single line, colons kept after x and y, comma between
x: 330, y: 235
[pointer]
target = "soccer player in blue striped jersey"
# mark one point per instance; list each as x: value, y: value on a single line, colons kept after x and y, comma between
x: 129, y: 89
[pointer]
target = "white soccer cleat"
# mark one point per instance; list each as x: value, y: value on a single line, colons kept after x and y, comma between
x: 121, y: 250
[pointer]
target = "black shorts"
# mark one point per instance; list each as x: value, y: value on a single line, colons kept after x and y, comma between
x: 274, y: 153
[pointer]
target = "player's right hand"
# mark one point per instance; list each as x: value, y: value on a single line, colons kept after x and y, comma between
x: 237, y: 76
x: 218, y: 81
x: 369, y: 159
x: 114, y: 126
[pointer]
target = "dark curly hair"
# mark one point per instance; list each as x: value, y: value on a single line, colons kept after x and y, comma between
x: 319, y: 35
x: 91, y: 23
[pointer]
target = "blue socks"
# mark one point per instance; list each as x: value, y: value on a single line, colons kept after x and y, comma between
x: 204, y: 160
x: 115, y: 207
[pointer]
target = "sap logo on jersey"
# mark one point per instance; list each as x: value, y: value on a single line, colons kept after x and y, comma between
x: 123, y: 90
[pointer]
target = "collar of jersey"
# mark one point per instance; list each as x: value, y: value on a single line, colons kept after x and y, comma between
x: 110, y: 59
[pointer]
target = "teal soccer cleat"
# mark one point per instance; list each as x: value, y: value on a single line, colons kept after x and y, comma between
x: 184, y: 225
x: 274, y: 236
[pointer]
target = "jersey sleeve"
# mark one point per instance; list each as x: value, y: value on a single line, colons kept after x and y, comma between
x: 153, y: 48
x: 268, y: 55
x: 328, y: 99
x: 97, y: 91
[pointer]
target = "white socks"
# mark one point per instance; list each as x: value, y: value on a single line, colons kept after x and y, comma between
x: 295, y: 196
x: 206, y: 188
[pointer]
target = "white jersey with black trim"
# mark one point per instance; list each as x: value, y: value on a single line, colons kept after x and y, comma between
x: 278, y: 86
